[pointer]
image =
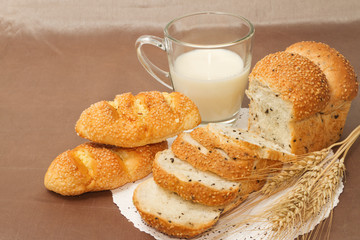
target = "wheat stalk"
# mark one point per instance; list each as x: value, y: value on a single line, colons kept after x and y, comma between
x: 289, y: 174
x: 292, y: 207
x: 323, y: 190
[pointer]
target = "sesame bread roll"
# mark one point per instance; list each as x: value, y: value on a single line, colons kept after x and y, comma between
x: 94, y: 167
x: 288, y: 94
x: 132, y: 121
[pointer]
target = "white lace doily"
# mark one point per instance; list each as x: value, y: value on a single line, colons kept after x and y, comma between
x: 226, y: 227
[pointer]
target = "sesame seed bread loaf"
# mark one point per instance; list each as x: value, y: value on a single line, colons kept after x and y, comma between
x: 198, y: 186
x: 171, y: 214
x: 94, y: 167
x: 232, y: 157
x: 300, y: 98
x: 342, y: 82
x: 287, y: 93
x: 132, y: 121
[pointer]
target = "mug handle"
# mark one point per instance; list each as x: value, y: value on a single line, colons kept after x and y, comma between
x: 151, y: 68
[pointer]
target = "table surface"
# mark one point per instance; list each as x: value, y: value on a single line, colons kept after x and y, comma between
x: 47, y: 81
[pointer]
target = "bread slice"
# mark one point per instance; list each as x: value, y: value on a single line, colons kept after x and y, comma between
x: 229, y: 156
x: 249, y: 142
x: 171, y: 214
x: 198, y: 186
x: 132, y: 121
x: 95, y: 167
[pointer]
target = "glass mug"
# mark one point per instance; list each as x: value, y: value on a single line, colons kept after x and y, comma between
x: 209, y: 56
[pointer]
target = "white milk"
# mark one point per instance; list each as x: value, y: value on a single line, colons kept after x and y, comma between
x: 214, y: 79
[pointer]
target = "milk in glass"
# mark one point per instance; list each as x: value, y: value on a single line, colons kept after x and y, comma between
x: 215, y: 79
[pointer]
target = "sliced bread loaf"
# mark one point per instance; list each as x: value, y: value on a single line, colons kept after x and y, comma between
x: 294, y: 104
x: 193, y: 184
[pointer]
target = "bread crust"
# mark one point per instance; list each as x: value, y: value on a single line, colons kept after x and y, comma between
x: 334, y: 123
x: 170, y: 228
x: 132, y: 121
x: 340, y: 74
x: 95, y: 167
x: 318, y: 131
x: 296, y: 79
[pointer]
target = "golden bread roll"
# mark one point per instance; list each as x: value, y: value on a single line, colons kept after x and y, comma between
x: 95, y: 167
x: 132, y: 121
